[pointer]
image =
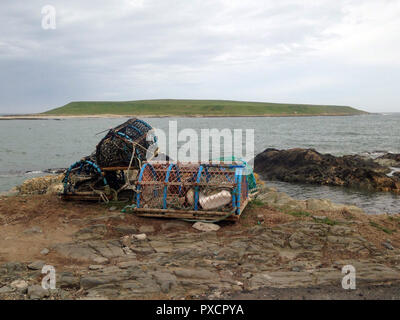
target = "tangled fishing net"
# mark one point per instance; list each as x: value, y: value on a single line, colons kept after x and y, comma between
x: 125, y: 146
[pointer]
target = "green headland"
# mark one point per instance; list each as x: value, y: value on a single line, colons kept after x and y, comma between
x: 171, y: 107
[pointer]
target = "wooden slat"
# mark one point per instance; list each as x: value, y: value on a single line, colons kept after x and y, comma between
x: 233, y: 217
x: 114, y: 168
x: 81, y: 197
x: 184, y: 184
x: 243, y: 205
x: 183, y: 211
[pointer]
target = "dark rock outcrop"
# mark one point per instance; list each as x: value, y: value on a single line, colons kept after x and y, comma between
x: 310, y: 166
x: 389, y: 159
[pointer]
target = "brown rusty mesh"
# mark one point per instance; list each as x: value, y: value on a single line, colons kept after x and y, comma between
x: 173, y: 186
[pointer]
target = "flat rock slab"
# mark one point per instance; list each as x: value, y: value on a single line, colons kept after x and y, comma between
x: 146, y: 229
x: 90, y: 251
x: 36, y: 265
x: 37, y: 292
x: 91, y: 233
x: 33, y: 230
x: 179, y: 265
x: 206, y: 227
x: 19, y: 284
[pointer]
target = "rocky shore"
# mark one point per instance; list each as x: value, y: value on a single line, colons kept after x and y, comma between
x: 281, y: 248
x: 310, y: 166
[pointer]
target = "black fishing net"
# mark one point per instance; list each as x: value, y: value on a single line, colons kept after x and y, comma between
x: 125, y: 146
x: 117, y: 147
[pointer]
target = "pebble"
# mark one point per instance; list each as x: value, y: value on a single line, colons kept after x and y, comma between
x: 96, y: 267
x: 19, y: 284
x: 388, y: 246
x: 141, y: 236
x: 146, y: 229
x: 36, y: 292
x: 44, y: 251
x: 206, y: 227
x: 32, y: 230
x: 100, y: 260
x: 127, y: 250
x: 6, y: 289
x: 36, y: 265
x: 319, y: 217
x: 127, y: 264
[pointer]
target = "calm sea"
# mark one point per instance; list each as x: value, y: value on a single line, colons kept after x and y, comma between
x: 28, y: 147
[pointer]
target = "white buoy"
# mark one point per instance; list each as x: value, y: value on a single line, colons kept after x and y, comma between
x: 214, y: 201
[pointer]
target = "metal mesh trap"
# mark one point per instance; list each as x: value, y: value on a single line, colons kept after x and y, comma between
x: 104, y: 174
x: 120, y: 169
x: 207, y: 191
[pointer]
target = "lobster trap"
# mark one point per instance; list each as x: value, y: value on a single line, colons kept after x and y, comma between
x: 198, y: 191
x: 121, y: 169
x: 108, y: 172
x: 124, y: 145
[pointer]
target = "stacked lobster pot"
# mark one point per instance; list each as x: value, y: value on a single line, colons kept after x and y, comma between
x: 193, y: 191
x: 111, y: 170
x: 122, y: 168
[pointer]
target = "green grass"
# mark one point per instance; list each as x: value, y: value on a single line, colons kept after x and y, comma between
x: 256, y: 203
x: 299, y: 213
x: 326, y: 220
x: 394, y: 219
x: 198, y: 108
x: 379, y: 227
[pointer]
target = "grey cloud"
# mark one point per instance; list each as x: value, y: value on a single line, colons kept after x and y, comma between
x: 138, y: 49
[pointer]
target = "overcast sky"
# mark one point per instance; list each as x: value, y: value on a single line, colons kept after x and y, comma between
x: 296, y: 51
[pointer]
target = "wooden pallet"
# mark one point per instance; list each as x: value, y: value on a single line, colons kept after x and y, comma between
x: 83, y: 196
x: 190, y: 214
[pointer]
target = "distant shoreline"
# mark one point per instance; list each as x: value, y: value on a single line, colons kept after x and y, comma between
x: 114, y: 116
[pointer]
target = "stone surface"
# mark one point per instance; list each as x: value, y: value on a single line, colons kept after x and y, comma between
x: 282, y: 201
x: 90, y: 282
x: 6, y: 289
x: 206, y: 227
x: 174, y: 225
x: 39, y: 185
x: 165, y: 280
x: 96, y: 267
x: 178, y: 263
x: 19, y: 284
x: 96, y: 251
x: 141, y: 236
x: 389, y: 160
x: 36, y: 265
x: 92, y: 232
x: 146, y: 229
x: 100, y: 260
x: 68, y: 280
x: 33, y: 230
x: 124, y: 230
x: 45, y: 251
x: 310, y: 166
x: 388, y: 245
x: 36, y: 292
